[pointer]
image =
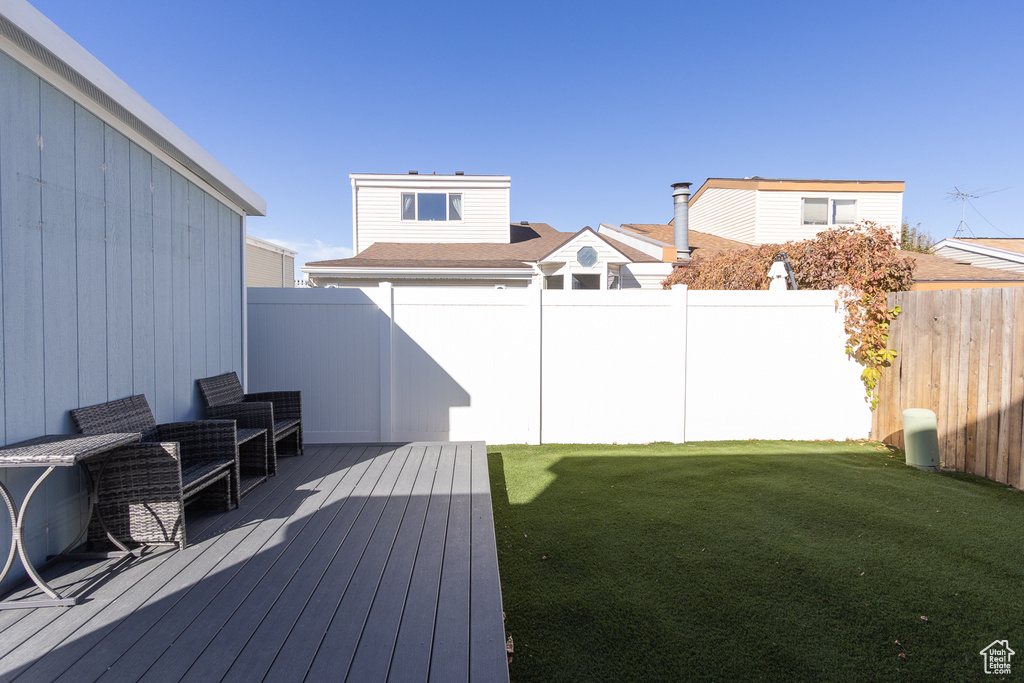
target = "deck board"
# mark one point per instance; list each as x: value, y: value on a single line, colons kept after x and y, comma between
x: 411, y: 658
x: 135, y: 605
x: 356, y: 558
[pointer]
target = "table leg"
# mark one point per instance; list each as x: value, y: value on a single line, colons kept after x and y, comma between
x: 94, y: 509
x: 18, y: 529
x: 14, y: 520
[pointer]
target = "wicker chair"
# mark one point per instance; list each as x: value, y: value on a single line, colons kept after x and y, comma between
x: 140, y: 495
x: 279, y: 412
x: 205, y: 457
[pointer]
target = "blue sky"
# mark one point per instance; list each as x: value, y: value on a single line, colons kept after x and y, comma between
x: 593, y: 109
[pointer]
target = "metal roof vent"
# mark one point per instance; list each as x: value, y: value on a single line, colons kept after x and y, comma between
x: 680, y: 222
x: 460, y: 173
x: 524, y: 222
x: 414, y: 172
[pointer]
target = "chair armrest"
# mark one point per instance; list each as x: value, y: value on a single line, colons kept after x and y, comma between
x: 201, y: 439
x: 287, y: 404
x: 247, y: 415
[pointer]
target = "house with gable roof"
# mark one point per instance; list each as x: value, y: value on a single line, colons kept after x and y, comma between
x: 455, y: 230
x: 727, y: 214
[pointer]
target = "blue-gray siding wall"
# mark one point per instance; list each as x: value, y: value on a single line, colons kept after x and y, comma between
x: 118, y: 276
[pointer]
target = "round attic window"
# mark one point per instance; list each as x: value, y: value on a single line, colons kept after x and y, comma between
x: 586, y: 257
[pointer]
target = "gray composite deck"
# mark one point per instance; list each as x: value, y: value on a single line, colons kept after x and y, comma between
x: 360, y: 563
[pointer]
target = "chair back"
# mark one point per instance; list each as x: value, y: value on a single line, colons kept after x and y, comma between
x: 221, y: 390
x: 130, y: 414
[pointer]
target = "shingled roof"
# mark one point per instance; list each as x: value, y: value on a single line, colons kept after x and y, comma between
x: 928, y: 267
x: 700, y: 242
x: 931, y: 268
x: 529, y: 244
x: 1014, y: 244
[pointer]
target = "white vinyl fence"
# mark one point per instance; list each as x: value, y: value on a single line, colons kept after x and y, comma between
x: 557, y: 366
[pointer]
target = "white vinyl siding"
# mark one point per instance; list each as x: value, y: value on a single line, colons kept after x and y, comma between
x: 378, y: 213
x: 643, y: 275
x: 605, y: 252
x: 725, y: 212
x: 980, y: 260
x: 779, y: 216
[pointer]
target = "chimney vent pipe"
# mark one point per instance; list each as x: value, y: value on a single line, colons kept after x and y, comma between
x: 681, y: 219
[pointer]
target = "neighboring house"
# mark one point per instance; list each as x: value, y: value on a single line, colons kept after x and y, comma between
x: 937, y: 272
x: 268, y: 264
x: 726, y: 214
x: 1003, y: 253
x: 765, y: 211
x: 122, y: 246
x: 455, y: 230
x: 752, y: 211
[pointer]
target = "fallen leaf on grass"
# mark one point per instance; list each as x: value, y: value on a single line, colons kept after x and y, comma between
x: 508, y: 645
x: 901, y: 656
x: 543, y: 557
x: 925, y: 619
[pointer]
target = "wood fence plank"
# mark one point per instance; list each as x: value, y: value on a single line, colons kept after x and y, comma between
x: 1005, y: 383
x: 995, y: 361
x: 939, y: 344
x: 963, y: 381
x: 948, y: 376
x: 895, y: 427
x: 1013, y: 466
x: 978, y: 347
x: 940, y: 371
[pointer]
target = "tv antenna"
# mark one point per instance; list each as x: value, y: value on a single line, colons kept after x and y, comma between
x: 960, y: 196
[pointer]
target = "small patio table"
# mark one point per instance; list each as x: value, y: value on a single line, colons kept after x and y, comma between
x: 51, y: 452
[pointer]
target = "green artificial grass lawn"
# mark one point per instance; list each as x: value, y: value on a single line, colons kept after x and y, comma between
x: 752, y: 560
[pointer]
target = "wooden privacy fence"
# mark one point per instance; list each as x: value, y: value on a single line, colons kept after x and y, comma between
x: 961, y: 355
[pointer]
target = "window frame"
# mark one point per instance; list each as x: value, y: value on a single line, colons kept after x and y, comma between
x: 803, y: 210
x: 416, y: 207
x: 830, y: 211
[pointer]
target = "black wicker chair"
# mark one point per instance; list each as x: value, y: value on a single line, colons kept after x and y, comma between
x: 140, y: 495
x: 279, y: 412
x: 205, y: 456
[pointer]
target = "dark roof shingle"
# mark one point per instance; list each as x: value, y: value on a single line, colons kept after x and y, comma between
x: 529, y: 244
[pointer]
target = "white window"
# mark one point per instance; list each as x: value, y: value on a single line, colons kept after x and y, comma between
x: 844, y: 211
x: 815, y: 211
x: 824, y: 211
x: 431, y: 206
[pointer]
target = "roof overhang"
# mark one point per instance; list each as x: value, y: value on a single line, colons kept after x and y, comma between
x: 795, y: 185
x: 429, y: 181
x: 423, y: 273
x: 269, y: 246
x: 981, y: 250
x: 53, y: 55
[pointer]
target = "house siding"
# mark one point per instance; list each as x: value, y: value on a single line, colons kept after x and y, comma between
x: 567, y: 253
x: 979, y: 259
x: 263, y: 268
x: 779, y: 217
x: 643, y: 275
x: 378, y: 212
x: 118, y: 275
x: 725, y: 212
